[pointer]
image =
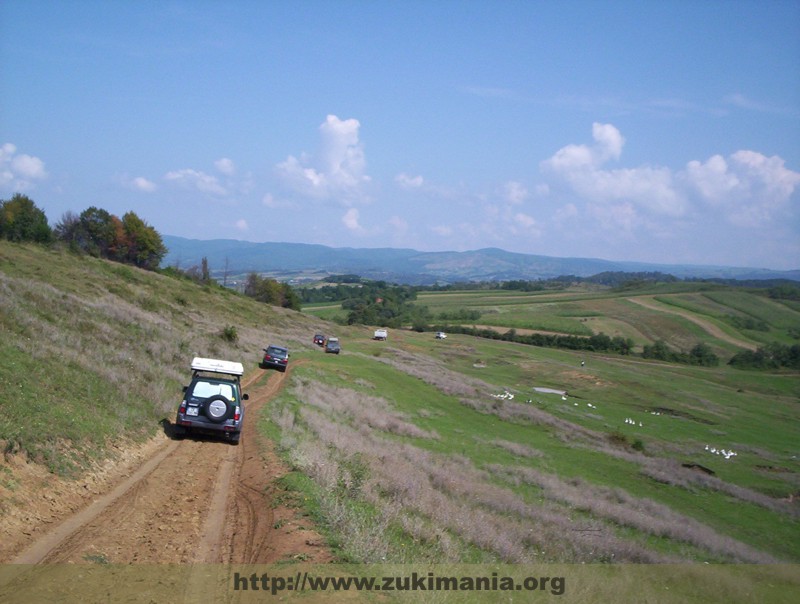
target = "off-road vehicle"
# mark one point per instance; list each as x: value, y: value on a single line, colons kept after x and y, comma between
x: 276, y: 357
x: 213, y: 401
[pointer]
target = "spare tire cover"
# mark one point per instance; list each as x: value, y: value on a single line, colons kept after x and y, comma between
x: 217, y: 408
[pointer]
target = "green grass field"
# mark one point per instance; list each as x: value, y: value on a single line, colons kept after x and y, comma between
x: 413, y: 450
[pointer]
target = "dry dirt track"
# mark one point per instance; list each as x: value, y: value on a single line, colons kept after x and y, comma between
x: 651, y: 303
x: 189, y: 501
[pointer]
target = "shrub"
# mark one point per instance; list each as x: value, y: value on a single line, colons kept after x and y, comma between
x: 229, y: 334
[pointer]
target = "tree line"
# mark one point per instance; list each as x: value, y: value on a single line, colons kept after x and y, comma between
x: 129, y: 240
x: 94, y: 231
x: 771, y: 356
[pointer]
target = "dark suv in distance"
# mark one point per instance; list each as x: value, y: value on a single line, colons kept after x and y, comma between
x: 319, y: 339
x: 275, y: 357
x: 332, y: 345
x: 213, y: 401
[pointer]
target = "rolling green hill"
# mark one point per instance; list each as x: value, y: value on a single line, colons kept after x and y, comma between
x: 415, y: 449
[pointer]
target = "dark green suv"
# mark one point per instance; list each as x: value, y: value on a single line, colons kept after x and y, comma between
x: 213, y: 401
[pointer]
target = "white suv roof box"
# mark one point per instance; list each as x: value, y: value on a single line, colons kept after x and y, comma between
x: 201, y: 364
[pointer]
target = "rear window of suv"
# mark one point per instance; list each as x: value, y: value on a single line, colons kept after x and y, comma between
x: 206, y: 389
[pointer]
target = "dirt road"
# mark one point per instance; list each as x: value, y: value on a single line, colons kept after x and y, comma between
x: 181, y: 501
x: 650, y: 302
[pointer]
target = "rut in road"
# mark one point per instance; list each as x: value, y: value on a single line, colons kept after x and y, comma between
x: 195, y: 500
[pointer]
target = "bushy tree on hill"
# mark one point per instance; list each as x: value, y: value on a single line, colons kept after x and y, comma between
x: 21, y: 220
x: 771, y: 356
x: 100, y: 233
x: 701, y: 354
x: 271, y: 292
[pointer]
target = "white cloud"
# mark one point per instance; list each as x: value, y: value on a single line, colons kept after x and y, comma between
x: 711, y: 179
x: 609, y: 143
x: 242, y: 225
x: 270, y: 201
x: 193, y: 179
x: 140, y: 183
x: 225, y: 166
x: 749, y: 187
x: 579, y: 166
x: 515, y: 192
x: 350, y: 220
x: 566, y: 212
x: 621, y: 217
x: 337, y: 171
x: 526, y: 222
x: 19, y: 172
x: 405, y: 181
x: 442, y: 230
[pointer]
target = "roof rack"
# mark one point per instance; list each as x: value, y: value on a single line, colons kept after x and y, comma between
x: 217, y: 366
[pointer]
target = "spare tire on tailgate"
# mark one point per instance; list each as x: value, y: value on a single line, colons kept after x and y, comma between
x: 217, y: 408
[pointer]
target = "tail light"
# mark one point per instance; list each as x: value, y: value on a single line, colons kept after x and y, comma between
x: 237, y: 414
x: 182, y: 408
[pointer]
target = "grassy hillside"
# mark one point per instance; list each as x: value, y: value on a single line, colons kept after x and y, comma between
x: 414, y: 449
x: 94, y: 351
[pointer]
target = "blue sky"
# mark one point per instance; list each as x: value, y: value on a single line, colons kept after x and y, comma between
x: 655, y: 131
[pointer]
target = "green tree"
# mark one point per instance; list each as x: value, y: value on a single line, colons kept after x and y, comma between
x: 658, y: 350
x: 96, y: 232
x: 145, y: 248
x: 702, y: 354
x: 21, y: 220
x: 68, y: 230
x: 271, y: 292
x: 205, y: 274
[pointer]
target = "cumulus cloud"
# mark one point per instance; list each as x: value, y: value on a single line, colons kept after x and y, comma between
x: 350, y: 220
x: 580, y: 167
x: 270, y: 201
x: 748, y: 187
x: 19, y: 171
x: 140, y: 183
x: 225, y: 166
x: 515, y: 192
x: 524, y: 220
x: 337, y: 171
x: 193, y: 179
x: 405, y: 181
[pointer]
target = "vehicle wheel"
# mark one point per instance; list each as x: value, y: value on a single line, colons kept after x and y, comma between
x: 217, y: 408
x: 234, y: 440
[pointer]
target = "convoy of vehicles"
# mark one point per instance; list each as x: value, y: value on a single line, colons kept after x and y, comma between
x: 213, y: 402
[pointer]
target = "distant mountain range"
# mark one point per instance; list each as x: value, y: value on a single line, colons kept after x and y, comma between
x: 305, y: 261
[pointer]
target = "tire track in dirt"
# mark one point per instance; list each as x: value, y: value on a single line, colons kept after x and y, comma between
x: 260, y: 529
x: 193, y: 500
